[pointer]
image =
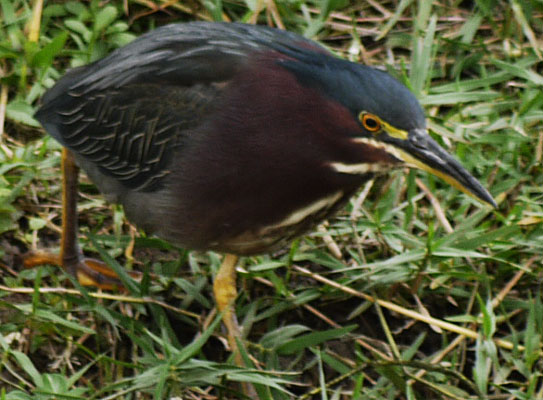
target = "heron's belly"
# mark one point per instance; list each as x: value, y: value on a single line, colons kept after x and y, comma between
x: 164, y: 214
x: 155, y: 217
x: 274, y: 236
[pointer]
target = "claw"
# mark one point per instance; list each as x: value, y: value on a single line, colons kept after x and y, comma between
x: 88, y: 271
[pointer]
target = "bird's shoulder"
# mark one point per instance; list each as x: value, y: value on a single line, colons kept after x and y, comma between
x: 185, y: 54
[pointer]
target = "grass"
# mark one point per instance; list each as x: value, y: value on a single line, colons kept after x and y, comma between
x: 413, y: 291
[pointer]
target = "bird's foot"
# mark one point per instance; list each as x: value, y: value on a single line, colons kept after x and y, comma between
x: 87, y: 271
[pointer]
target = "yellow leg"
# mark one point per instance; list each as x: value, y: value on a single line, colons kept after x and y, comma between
x: 225, y: 291
x: 88, y: 272
x: 224, y: 288
x: 69, y: 249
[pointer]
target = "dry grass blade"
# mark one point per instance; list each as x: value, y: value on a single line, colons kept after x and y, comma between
x: 408, y: 313
x: 437, y: 207
x: 35, y: 22
x: 103, y: 296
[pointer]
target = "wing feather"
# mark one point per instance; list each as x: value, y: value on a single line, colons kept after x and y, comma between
x: 129, y: 112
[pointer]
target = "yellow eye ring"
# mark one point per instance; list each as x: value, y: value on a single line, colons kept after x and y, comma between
x: 370, y: 122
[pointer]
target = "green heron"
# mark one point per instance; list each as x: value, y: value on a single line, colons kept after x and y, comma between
x: 232, y: 137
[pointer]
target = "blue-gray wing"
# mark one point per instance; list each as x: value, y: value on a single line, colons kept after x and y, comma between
x: 128, y: 112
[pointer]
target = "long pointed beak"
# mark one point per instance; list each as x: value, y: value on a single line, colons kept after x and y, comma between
x: 421, y: 151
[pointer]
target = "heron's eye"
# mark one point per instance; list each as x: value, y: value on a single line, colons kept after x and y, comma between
x: 370, y: 122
